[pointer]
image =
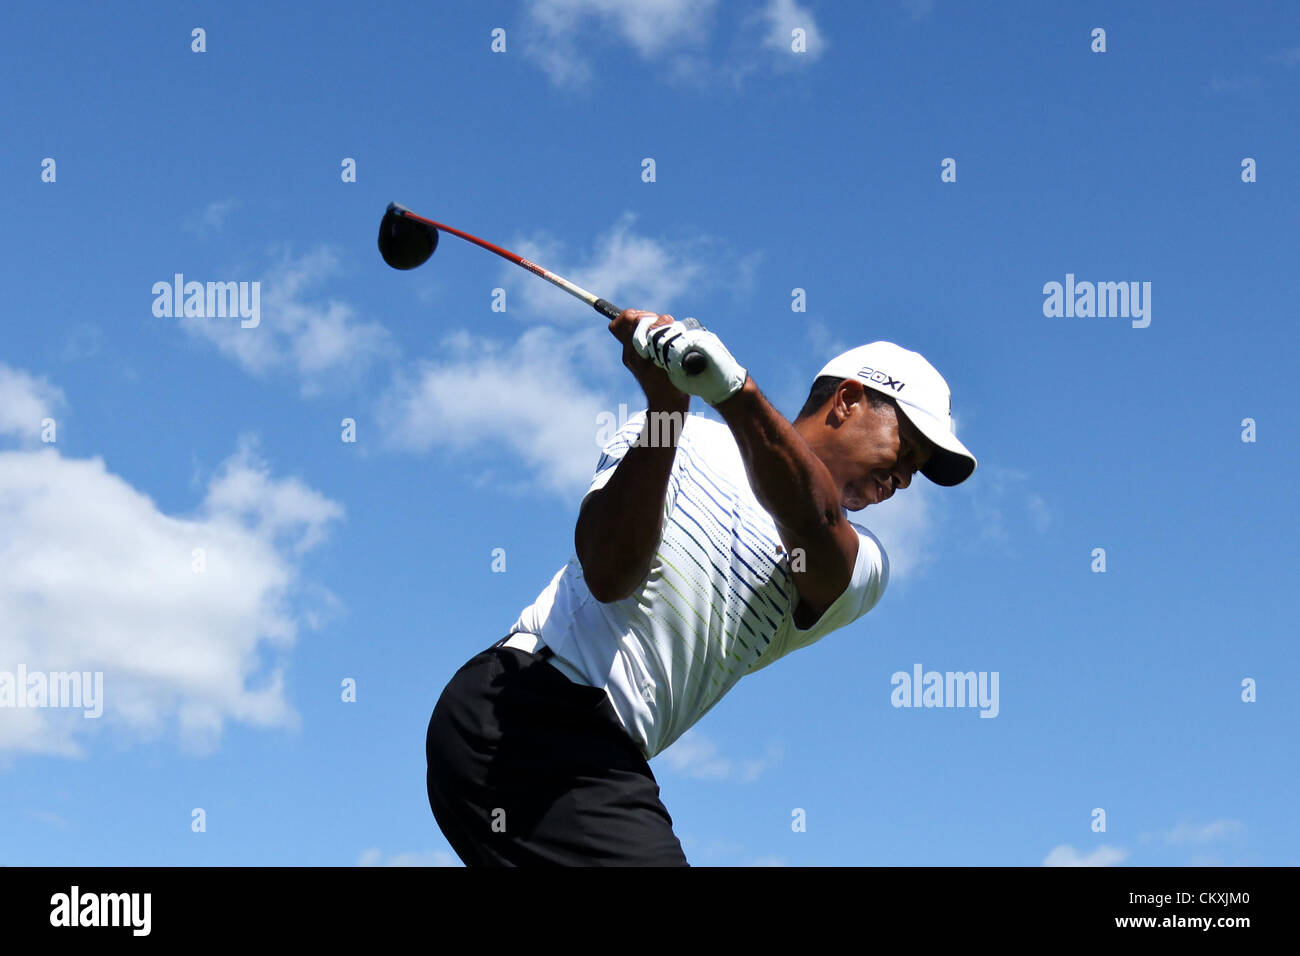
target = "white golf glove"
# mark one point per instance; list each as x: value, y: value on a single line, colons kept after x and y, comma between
x: 668, y: 344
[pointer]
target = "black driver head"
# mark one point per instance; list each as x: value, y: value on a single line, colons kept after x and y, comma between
x: 405, y: 243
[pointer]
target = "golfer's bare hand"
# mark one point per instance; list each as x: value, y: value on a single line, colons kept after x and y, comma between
x: 660, y: 392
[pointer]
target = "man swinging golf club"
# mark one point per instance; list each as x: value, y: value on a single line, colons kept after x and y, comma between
x: 702, y: 554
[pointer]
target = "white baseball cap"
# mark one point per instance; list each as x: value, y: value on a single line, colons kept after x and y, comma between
x: 922, y: 395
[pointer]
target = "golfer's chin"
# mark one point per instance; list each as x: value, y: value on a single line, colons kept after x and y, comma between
x: 854, y: 499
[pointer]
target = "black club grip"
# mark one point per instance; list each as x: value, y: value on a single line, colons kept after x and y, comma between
x: 694, y: 361
x: 608, y: 309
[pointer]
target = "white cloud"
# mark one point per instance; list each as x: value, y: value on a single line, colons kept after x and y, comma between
x: 1234, y: 84
x: 1003, y: 506
x: 213, y: 216
x: 695, y: 755
x: 1040, y: 514
x: 906, y: 525
x: 1289, y: 57
x: 48, y: 818
x: 245, y: 491
x: 526, y: 402
x: 321, y: 341
x: 1066, y: 855
x: 671, y: 37
x: 655, y: 29
x: 94, y: 577
x: 634, y: 271
x: 918, y: 9
x: 825, y: 343
x: 375, y: 857
x: 24, y: 401
x: 782, y: 17
x: 988, y: 499
x: 1186, y: 833
x: 83, y: 341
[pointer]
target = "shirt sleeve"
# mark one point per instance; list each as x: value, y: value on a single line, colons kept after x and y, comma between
x: 866, y: 586
x: 612, y: 452
x: 618, y: 445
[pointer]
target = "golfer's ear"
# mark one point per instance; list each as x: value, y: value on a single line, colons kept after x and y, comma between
x: 849, y: 393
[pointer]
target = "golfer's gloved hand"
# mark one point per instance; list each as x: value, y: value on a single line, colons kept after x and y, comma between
x: 667, y: 344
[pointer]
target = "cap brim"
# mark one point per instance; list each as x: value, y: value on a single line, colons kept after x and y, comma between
x: 951, y: 463
x: 949, y: 468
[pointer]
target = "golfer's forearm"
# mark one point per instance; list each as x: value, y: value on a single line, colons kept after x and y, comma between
x: 620, y: 526
x: 789, y: 480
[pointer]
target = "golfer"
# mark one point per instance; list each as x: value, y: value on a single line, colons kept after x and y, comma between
x: 703, y: 552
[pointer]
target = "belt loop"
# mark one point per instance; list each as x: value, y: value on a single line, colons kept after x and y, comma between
x: 506, y: 638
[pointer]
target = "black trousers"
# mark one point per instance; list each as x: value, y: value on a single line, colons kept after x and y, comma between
x: 527, y: 768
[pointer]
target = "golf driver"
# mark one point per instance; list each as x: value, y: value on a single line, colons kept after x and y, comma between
x: 407, y: 241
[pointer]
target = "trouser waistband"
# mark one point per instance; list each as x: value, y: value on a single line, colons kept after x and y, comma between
x: 530, y: 643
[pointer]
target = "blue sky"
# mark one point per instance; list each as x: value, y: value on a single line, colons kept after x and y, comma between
x: 371, y: 560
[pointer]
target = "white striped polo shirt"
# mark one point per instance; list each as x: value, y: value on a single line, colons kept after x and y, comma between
x: 717, y: 603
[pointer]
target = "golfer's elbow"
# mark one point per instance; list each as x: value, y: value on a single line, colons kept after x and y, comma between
x: 606, y: 591
x: 606, y: 580
x: 605, y: 565
x: 805, y: 518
